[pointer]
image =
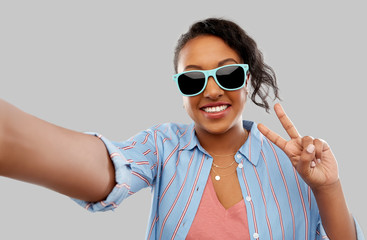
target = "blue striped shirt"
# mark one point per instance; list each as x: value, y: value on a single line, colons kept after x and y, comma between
x: 169, y: 159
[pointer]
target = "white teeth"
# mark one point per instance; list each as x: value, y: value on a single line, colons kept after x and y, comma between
x: 215, y: 109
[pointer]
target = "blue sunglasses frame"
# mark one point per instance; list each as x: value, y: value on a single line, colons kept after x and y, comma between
x: 211, y: 73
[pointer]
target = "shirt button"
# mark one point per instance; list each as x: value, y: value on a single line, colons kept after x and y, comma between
x: 256, y: 235
x: 238, y: 156
x: 248, y: 198
x: 240, y: 165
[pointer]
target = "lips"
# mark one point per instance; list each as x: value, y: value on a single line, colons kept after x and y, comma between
x: 215, y: 110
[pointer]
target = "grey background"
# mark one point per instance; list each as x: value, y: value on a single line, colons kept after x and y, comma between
x: 106, y: 66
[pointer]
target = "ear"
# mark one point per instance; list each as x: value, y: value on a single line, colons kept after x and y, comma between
x: 247, y: 79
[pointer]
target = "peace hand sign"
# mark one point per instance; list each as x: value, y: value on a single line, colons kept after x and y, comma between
x: 312, y: 158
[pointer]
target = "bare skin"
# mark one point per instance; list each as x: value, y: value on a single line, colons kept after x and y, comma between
x: 66, y: 161
x: 227, y: 189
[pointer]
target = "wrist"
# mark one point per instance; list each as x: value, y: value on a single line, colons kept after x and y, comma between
x: 331, y: 188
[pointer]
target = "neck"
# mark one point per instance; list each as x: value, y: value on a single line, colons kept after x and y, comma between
x: 223, y: 143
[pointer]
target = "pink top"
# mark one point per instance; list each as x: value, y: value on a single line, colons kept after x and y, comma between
x: 213, y: 221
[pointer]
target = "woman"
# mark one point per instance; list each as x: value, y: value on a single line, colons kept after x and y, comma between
x: 220, y: 177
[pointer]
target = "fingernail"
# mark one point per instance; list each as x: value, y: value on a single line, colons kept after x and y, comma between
x: 313, y: 164
x: 310, y: 148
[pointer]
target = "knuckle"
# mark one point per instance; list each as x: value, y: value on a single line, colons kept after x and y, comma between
x: 310, y: 137
x: 307, y: 139
x: 317, y: 141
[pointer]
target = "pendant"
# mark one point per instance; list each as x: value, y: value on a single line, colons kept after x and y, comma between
x: 217, y: 177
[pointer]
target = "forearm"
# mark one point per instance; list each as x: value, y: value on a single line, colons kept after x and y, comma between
x: 66, y: 161
x: 336, y: 219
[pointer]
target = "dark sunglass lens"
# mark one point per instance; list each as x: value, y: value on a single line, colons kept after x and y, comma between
x: 231, y: 77
x: 191, y: 82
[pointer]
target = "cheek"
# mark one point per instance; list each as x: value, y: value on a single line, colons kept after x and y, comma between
x: 190, y: 104
x: 240, y: 98
x: 185, y: 102
x: 239, y: 95
x: 244, y: 97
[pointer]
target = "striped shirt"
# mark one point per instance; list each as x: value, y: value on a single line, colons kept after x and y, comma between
x: 169, y: 159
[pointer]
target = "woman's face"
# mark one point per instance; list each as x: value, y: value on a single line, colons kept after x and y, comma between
x: 214, y: 111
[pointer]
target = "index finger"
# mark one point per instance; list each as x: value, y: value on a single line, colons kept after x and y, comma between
x: 272, y: 136
x: 286, y: 122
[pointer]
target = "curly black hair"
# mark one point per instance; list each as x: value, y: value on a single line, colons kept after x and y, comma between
x: 262, y: 76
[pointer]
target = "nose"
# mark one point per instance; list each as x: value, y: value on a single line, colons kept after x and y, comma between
x: 212, y: 89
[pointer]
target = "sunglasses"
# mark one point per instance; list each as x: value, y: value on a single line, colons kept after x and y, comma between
x: 229, y: 77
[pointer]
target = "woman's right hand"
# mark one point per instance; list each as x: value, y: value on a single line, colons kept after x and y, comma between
x: 69, y: 162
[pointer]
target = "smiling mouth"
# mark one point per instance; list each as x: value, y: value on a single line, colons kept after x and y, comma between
x: 215, y: 109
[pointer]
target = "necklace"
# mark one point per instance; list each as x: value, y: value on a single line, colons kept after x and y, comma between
x: 217, y: 177
x: 226, y: 155
x: 217, y: 166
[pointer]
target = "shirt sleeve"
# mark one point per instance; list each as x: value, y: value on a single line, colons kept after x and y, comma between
x: 321, y: 234
x: 135, y: 163
x: 360, y: 235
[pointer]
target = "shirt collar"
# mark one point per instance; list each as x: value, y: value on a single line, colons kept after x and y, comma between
x: 188, y: 138
x: 251, y: 149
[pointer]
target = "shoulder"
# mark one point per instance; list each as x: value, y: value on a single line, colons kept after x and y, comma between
x: 169, y: 129
x: 272, y: 151
x: 167, y: 132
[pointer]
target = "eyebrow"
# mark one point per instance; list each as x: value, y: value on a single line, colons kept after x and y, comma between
x: 221, y: 63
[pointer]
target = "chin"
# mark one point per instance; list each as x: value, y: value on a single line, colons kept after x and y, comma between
x: 215, y: 128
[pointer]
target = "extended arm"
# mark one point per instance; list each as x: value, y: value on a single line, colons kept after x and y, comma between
x: 69, y: 162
